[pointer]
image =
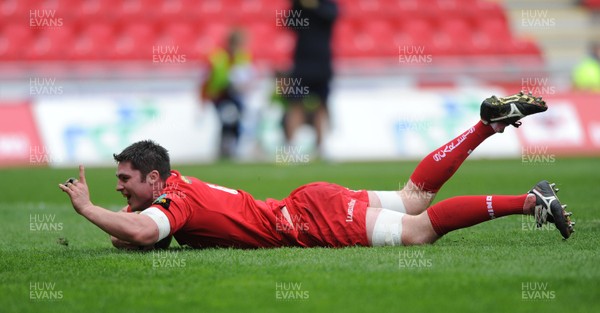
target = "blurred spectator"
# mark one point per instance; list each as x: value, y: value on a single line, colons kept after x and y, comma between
x: 312, y: 70
x: 228, y: 79
x: 586, y: 75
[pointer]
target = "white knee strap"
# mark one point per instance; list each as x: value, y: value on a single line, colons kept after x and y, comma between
x: 391, y: 200
x: 388, y: 229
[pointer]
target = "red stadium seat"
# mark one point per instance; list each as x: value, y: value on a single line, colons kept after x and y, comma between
x: 52, y: 44
x: 259, y: 39
x: 494, y: 28
x: 13, y: 39
x: 252, y: 7
x: 451, y: 36
x: 95, y: 42
x: 94, y: 11
x: 524, y: 47
x: 269, y: 44
x: 416, y: 31
x: 135, y: 10
x: 343, y: 34
x: 209, y: 37
x: 271, y: 5
x: 282, y: 48
x: 212, y: 8
x: 174, y: 10
x: 381, y: 31
x: 182, y: 34
x: 128, y: 29
x: 135, y: 41
x: 361, y: 43
x: 410, y: 6
x: 15, y: 10
x: 363, y: 9
x: 64, y: 8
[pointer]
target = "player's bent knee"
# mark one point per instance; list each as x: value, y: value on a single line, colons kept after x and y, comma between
x: 418, y: 230
x: 411, y: 199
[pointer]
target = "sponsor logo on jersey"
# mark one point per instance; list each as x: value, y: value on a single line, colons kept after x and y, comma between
x: 350, y: 213
x: 163, y: 201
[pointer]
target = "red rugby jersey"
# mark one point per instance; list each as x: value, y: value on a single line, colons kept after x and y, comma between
x: 206, y: 215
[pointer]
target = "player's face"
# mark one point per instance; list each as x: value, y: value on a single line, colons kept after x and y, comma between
x: 139, y: 193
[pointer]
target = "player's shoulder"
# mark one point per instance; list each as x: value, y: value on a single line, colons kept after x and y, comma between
x: 181, y: 183
x: 177, y: 188
x: 177, y: 179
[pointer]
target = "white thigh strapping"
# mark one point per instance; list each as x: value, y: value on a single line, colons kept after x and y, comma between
x: 391, y: 200
x: 388, y: 229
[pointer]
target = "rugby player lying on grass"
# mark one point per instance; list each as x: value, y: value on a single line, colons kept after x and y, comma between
x: 200, y: 214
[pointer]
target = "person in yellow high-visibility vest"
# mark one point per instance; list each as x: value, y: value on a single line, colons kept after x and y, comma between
x: 586, y: 75
x: 228, y: 77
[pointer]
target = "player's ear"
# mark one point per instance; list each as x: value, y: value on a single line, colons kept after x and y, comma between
x: 153, y: 177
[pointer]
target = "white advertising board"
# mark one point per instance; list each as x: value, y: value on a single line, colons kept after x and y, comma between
x: 89, y: 129
x: 389, y: 123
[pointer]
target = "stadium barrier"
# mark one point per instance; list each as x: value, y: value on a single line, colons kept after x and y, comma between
x: 398, y: 124
x: 410, y: 124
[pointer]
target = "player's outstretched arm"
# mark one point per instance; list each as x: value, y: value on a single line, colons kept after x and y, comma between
x: 125, y: 245
x: 121, y: 244
x: 136, y: 229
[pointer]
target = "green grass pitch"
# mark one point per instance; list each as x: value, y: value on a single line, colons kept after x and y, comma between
x: 53, y: 260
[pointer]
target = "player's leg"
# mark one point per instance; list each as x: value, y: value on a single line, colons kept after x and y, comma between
x: 432, y: 172
x: 391, y: 228
x: 388, y: 227
x: 321, y: 124
x: 439, y: 166
x: 294, y: 118
x: 445, y: 216
x: 320, y: 89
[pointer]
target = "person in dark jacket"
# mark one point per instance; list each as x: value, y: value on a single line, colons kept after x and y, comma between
x: 312, y: 70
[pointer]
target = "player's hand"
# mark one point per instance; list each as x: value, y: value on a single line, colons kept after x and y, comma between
x: 77, y: 190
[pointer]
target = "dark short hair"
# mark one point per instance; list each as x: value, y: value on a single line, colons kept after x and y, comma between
x: 146, y: 156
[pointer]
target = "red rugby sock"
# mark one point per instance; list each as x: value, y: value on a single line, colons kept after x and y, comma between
x: 437, y: 167
x: 465, y: 211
